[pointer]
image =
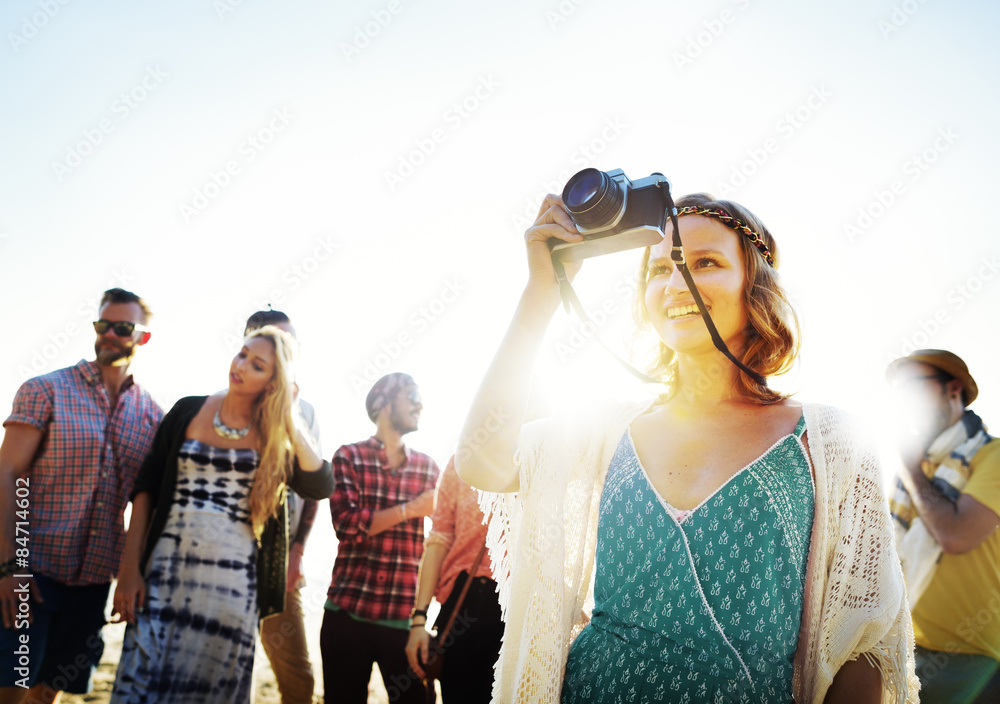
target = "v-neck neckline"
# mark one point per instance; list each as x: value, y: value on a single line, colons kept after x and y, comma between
x: 686, y: 513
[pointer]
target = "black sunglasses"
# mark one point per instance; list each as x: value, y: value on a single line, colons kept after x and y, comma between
x: 912, y: 381
x: 122, y: 328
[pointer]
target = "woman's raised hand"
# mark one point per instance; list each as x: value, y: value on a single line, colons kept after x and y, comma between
x: 553, y: 222
x: 303, y: 443
x: 488, y: 465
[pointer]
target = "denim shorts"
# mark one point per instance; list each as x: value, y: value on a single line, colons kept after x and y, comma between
x: 64, y: 643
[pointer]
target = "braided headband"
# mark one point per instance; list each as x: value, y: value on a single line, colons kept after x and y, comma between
x: 733, y: 223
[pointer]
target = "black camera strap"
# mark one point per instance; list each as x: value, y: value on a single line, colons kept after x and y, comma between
x: 570, y: 299
x: 677, y: 255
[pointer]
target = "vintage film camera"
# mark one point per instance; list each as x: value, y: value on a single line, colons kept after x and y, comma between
x: 613, y: 213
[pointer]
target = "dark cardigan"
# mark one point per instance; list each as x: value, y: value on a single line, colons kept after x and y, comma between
x: 158, y: 477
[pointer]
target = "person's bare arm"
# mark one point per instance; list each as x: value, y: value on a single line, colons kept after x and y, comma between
x: 130, y: 592
x: 306, y: 448
x: 20, y: 443
x: 386, y: 518
x: 957, y: 526
x: 297, y: 546
x: 427, y: 579
x: 857, y: 682
x: 484, y: 457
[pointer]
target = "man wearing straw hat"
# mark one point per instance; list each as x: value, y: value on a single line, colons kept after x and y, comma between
x: 946, y: 508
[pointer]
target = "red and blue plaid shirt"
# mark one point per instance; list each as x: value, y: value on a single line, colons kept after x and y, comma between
x: 375, y: 577
x: 83, y: 471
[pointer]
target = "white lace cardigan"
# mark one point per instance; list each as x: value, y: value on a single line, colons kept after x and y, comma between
x: 543, y: 541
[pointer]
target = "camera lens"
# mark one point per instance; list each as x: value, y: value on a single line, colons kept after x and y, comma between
x: 593, y: 198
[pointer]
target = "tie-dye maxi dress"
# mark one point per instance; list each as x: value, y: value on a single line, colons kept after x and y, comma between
x: 194, y: 641
x: 701, y: 605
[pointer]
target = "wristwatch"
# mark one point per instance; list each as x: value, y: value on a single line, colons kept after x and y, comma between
x: 418, y: 612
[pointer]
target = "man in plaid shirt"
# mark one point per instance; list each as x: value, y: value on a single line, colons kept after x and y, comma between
x: 383, y: 489
x: 71, y: 450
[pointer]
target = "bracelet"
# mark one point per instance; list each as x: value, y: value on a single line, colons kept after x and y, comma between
x: 402, y: 508
x: 417, y: 625
x: 418, y: 612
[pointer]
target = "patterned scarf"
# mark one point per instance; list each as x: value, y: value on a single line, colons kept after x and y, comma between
x: 947, y: 467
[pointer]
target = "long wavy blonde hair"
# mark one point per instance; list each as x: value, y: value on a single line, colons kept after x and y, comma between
x: 272, y: 419
x: 772, y: 330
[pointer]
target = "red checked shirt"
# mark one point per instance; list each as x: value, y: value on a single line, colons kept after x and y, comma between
x: 375, y: 577
x: 86, y: 464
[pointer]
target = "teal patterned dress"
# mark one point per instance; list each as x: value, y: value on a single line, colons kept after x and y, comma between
x: 701, y: 605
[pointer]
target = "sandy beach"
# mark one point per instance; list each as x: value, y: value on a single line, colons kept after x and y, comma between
x: 265, y: 689
x: 321, y: 551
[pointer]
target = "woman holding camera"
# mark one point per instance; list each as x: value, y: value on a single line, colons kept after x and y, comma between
x: 205, y: 550
x: 721, y: 543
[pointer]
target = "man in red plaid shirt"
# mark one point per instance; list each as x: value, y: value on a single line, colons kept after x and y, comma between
x: 71, y: 450
x: 383, y: 489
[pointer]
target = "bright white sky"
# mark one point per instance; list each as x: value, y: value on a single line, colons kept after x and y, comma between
x: 369, y: 167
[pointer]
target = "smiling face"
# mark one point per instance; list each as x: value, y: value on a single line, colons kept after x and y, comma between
x: 404, y: 410
x: 253, y: 367
x: 715, y: 260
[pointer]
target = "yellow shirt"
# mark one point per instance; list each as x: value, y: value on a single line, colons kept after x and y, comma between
x: 960, y: 611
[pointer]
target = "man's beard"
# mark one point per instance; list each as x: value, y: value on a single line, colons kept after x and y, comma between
x: 401, y: 424
x: 110, y: 354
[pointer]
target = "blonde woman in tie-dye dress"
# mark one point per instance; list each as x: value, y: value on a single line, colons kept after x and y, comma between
x: 205, y: 551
